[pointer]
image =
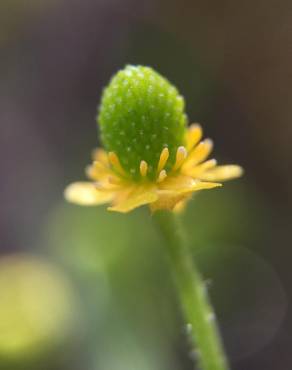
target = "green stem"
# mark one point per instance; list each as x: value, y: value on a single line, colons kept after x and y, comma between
x: 193, y: 296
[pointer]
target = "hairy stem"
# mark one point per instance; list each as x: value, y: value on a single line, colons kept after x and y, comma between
x: 196, y: 307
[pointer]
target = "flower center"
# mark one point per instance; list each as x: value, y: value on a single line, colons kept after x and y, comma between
x: 140, y: 114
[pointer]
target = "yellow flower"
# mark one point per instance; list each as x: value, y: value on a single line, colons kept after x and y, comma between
x: 191, y: 172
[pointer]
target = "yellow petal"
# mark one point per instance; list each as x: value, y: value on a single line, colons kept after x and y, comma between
x: 100, y: 155
x: 175, y: 192
x: 167, y: 201
x: 199, y: 154
x: 115, y: 162
x: 222, y: 173
x: 97, y: 171
x: 86, y: 194
x: 193, y: 136
x: 184, y: 184
x: 201, y: 168
x: 139, y: 196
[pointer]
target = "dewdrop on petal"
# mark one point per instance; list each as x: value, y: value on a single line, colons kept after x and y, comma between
x: 151, y: 156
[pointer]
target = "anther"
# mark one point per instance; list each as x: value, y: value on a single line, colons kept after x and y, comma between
x: 181, y: 155
x: 163, y: 159
x: 143, y: 168
x: 162, y: 176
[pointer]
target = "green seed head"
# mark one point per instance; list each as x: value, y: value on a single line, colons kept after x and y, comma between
x: 141, y: 113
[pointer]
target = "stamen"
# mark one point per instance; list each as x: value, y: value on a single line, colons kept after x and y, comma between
x: 162, y: 176
x: 115, y: 162
x: 143, y: 168
x: 163, y: 159
x: 193, y: 136
x: 181, y: 155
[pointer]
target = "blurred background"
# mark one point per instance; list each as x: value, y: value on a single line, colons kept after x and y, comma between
x: 82, y: 288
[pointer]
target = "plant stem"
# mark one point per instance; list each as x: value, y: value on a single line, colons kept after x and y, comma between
x: 196, y: 307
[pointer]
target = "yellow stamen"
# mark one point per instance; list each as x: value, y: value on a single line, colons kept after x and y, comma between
x: 163, y: 159
x: 162, y: 176
x: 193, y: 136
x: 143, y: 168
x: 115, y: 162
x: 181, y: 155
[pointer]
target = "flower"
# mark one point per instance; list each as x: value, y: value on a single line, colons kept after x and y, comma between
x: 151, y: 157
x: 191, y: 172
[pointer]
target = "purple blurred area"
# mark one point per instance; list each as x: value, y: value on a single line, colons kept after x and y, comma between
x: 232, y: 61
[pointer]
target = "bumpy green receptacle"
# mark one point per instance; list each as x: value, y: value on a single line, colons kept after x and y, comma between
x: 140, y: 114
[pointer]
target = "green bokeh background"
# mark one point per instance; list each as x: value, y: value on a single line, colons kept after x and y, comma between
x: 232, y: 62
